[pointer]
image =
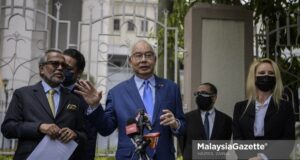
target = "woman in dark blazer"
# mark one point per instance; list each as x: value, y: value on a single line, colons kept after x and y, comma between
x: 264, y: 115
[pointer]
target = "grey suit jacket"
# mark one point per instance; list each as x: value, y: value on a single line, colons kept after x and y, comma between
x: 29, y: 108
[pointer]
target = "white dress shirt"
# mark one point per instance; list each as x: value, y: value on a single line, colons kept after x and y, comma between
x: 260, y: 113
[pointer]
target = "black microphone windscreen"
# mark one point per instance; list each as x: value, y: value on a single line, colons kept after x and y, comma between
x: 140, y: 111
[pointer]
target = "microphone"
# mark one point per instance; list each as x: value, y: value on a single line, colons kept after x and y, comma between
x: 147, y: 122
x: 132, y: 131
x: 153, y: 138
x: 143, y: 120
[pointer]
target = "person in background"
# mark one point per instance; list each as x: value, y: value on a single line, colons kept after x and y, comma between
x: 264, y: 115
x: 159, y: 98
x: 76, y: 63
x: 205, y: 123
x: 45, y: 109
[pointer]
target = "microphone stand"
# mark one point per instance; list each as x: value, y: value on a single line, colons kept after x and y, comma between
x: 141, y: 150
x: 141, y: 147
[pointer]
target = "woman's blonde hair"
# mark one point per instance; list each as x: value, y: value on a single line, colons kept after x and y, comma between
x: 251, y: 88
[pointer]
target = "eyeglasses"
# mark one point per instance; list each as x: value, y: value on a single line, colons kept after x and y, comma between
x: 56, y: 64
x: 204, y: 94
x: 138, y: 56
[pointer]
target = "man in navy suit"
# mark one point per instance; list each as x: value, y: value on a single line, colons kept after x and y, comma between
x: 31, y: 115
x: 124, y: 100
x: 76, y: 64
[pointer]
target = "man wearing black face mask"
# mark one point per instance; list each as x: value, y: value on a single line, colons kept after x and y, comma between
x: 205, y: 123
x: 76, y: 64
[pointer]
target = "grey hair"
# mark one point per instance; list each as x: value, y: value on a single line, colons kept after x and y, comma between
x: 142, y: 41
x: 43, y: 59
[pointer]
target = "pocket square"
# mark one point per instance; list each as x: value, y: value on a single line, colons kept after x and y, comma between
x: 72, y: 107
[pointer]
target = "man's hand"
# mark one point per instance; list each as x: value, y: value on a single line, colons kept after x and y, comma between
x: 50, y: 130
x: 168, y: 119
x: 88, y: 92
x: 66, y: 134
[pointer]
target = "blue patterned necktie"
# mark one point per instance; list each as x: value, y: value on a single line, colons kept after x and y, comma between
x: 206, y: 125
x: 148, y: 99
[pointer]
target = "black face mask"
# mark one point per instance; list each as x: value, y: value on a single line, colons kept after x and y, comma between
x: 68, y: 78
x: 265, y: 83
x: 204, y: 103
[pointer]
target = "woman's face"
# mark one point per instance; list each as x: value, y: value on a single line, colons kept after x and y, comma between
x: 265, y: 80
x: 265, y: 69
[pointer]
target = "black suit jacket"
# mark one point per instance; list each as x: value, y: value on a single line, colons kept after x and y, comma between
x: 279, y: 123
x: 91, y: 131
x: 29, y: 108
x: 222, y: 130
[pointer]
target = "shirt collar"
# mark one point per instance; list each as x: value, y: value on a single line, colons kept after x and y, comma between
x: 139, y: 82
x: 47, y: 87
x: 265, y: 104
x: 211, y: 111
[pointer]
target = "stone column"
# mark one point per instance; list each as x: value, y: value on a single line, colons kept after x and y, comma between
x: 219, y: 44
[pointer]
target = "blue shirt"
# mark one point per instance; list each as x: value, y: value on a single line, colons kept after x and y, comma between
x: 56, y: 96
x: 140, y: 86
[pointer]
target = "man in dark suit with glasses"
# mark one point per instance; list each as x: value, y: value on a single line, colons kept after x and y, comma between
x: 45, y: 109
x: 205, y: 123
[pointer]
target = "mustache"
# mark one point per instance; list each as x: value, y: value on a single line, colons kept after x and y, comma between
x: 53, y: 78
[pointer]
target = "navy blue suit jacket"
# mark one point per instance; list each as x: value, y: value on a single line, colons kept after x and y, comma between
x: 122, y: 103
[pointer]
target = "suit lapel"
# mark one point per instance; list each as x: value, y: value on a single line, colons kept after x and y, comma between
x: 63, y: 100
x: 200, y: 127
x: 270, y: 112
x: 41, y: 97
x: 159, y: 90
x: 134, y: 94
x: 216, y: 125
x: 250, y: 116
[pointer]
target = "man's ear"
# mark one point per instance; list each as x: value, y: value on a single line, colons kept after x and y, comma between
x: 41, y: 67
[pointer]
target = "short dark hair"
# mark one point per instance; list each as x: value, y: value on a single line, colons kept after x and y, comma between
x: 212, y: 87
x: 74, y: 53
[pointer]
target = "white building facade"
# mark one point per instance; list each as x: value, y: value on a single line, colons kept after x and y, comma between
x: 103, y: 30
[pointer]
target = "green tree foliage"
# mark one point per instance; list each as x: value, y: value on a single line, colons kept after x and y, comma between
x: 264, y: 11
x: 177, y: 10
x: 268, y: 12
